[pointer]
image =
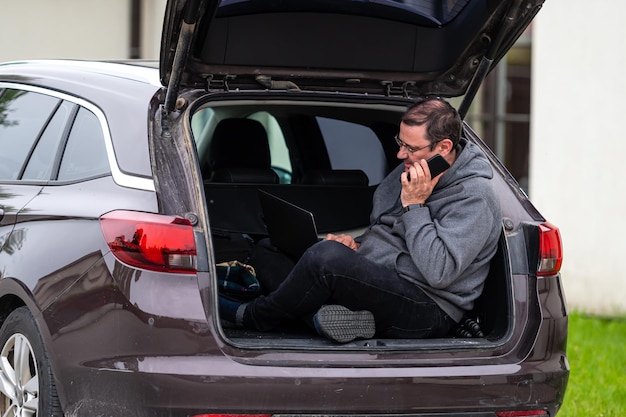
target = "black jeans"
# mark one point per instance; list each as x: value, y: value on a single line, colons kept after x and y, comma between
x: 331, y: 273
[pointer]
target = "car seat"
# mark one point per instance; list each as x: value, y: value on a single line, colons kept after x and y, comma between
x: 239, y: 152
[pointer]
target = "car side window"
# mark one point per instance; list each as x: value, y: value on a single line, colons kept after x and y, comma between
x: 42, y: 160
x: 85, y: 154
x: 23, y: 116
x: 353, y: 146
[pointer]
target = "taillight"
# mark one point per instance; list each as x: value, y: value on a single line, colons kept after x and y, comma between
x: 151, y: 241
x: 550, y: 250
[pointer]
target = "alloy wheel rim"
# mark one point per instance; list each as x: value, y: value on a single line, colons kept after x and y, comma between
x: 19, y: 381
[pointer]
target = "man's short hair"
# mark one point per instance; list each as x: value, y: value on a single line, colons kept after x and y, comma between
x: 441, y: 119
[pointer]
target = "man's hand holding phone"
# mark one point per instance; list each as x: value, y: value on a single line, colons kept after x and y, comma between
x: 419, y: 180
x: 437, y: 165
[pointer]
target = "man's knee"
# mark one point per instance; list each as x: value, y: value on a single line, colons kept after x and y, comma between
x: 328, y: 255
x: 327, y: 252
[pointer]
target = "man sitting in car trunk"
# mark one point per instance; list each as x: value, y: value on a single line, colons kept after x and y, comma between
x: 423, y: 260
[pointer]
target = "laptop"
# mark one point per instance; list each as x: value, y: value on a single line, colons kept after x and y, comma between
x: 291, y: 228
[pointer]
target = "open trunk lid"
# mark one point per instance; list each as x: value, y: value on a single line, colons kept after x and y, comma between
x: 375, y: 47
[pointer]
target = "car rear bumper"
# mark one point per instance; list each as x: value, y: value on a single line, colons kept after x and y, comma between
x: 187, y: 386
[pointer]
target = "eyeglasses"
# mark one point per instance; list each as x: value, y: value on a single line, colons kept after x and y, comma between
x: 411, y: 149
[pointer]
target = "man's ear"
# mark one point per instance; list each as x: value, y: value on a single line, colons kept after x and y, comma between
x: 444, y: 147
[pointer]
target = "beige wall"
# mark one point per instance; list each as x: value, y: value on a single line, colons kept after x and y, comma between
x: 578, y: 144
x: 83, y: 29
x: 152, y: 12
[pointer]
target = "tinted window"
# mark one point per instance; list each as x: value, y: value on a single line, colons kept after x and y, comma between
x: 85, y: 154
x: 42, y: 160
x: 353, y: 146
x: 23, y: 115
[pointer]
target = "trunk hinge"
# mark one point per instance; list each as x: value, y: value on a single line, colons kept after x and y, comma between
x: 398, y: 90
x: 164, y: 122
x: 267, y: 82
x: 218, y: 83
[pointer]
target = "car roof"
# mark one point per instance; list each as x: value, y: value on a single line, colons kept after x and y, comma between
x: 48, y: 73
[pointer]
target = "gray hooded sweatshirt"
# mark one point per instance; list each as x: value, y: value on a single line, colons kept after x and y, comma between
x: 445, y: 247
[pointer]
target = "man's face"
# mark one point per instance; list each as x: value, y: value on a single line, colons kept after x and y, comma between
x: 413, y: 144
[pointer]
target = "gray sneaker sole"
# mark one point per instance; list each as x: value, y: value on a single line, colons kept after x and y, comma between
x: 343, y: 325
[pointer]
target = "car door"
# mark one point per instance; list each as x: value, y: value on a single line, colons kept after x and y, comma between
x: 23, y: 116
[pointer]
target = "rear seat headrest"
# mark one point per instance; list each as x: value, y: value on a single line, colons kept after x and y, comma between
x: 240, y: 143
x: 240, y: 152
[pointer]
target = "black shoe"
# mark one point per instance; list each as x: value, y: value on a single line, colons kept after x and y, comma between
x: 343, y: 325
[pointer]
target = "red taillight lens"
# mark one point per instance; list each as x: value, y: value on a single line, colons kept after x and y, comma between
x: 550, y: 250
x: 151, y: 241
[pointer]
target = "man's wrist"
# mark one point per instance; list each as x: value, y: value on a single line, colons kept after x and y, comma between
x: 412, y: 207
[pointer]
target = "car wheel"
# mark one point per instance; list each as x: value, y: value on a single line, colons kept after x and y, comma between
x: 26, y: 383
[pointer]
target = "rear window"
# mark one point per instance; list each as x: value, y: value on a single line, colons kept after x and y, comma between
x: 299, y: 140
x: 353, y: 146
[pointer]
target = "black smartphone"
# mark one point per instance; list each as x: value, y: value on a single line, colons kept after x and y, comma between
x: 437, y: 165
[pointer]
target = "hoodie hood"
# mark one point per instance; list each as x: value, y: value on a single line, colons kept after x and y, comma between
x: 470, y: 162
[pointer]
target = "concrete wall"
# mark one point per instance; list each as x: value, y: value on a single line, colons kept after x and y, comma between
x: 152, y: 12
x: 82, y: 29
x: 578, y: 145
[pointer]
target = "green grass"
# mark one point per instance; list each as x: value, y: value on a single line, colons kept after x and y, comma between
x: 596, y: 350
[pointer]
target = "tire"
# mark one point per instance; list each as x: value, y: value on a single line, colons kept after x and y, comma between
x: 27, y: 387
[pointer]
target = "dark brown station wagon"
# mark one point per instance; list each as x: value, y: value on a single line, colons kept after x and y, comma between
x: 123, y: 185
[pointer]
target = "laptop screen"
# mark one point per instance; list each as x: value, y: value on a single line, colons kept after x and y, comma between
x: 291, y: 228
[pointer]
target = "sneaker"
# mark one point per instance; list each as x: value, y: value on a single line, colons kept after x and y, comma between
x: 343, y: 325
